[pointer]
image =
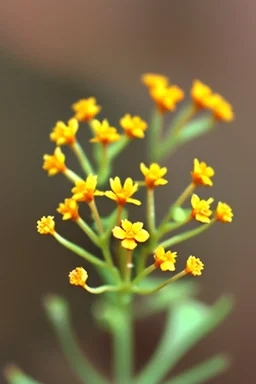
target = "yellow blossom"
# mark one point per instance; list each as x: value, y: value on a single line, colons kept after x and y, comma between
x: 78, y: 277
x: 201, y: 174
x: 86, y: 109
x: 200, y: 94
x: 201, y: 209
x: 65, y: 134
x: 165, y: 260
x: 122, y: 194
x: 224, y: 213
x: 166, y: 98
x: 54, y: 163
x: 133, y: 126
x: 104, y: 134
x: 46, y: 225
x: 69, y: 209
x: 130, y: 233
x: 153, y: 175
x: 194, y: 266
x: 86, y: 190
x: 152, y: 80
x: 221, y: 109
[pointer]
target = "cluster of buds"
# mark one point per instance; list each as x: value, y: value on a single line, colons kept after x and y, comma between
x: 153, y: 241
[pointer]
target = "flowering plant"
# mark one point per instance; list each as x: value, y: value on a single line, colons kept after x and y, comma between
x: 130, y: 253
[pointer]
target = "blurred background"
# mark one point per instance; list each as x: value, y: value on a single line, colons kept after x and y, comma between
x: 55, y: 52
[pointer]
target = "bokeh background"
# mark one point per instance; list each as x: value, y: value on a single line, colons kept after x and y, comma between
x: 53, y: 53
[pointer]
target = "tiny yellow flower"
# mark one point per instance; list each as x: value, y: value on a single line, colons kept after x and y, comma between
x: 220, y: 108
x: 200, y: 94
x: 165, y: 260
x: 46, y: 225
x: 224, y: 213
x: 65, y: 134
x: 153, y: 175
x: 130, y: 233
x: 78, y: 277
x: 201, y: 209
x: 201, y: 174
x: 86, y: 190
x: 134, y: 127
x: 194, y: 266
x: 54, y: 163
x: 104, y: 134
x: 86, y: 109
x: 122, y: 194
x: 166, y: 98
x: 69, y: 209
x: 152, y: 80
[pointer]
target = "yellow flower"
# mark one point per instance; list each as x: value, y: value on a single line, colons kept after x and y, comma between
x: 86, y: 109
x: 221, y: 109
x: 46, y: 225
x: 201, y: 174
x: 54, y: 163
x: 200, y: 94
x: 69, y: 209
x: 133, y: 126
x: 104, y: 134
x: 166, y: 98
x: 153, y: 175
x: 78, y: 277
x: 86, y: 190
x: 201, y: 209
x: 165, y: 260
x: 64, y: 134
x: 130, y: 233
x: 152, y: 80
x: 194, y: 266
x: 224, y: 213
x: 122, y: 194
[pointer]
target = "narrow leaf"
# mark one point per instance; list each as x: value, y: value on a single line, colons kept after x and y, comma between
x: 14, y: 375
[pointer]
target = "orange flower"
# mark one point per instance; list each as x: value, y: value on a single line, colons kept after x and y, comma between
x: 86, y: 109
x: 104, y: 134
x: 201, y: 209
x: 200, y: 94
x: 122, y: 195
x: 86, y: 190
x: 78, y: 277
x: 153, y: 175
x: 134, y: 127
x: 69, y: 209
x: 201, y: 174
x: 130, y: 233
x: 224, y: 213
x: 152, y: 80
x: 221, y: 109
x: 55, y: 163
x: 166, y: 98
x: 194, y: 266
x: 64, y: 134
x: 165, y: 260
x: 46, y: 225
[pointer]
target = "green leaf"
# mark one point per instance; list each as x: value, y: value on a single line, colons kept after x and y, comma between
x: 187, y: 324
x: 194, y: 129
x: 58, y: 312
x: 204, y: 371
x: 180, y: 214
x: 14, y: 375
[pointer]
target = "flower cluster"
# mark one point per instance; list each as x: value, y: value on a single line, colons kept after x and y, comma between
x: 133, y: 244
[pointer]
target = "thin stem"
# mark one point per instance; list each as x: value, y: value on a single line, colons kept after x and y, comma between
x: 143, y: 274
x: 96, y: 215
x: 104, y: 165
x: 103, y: 289
x: 117, y: 147
x: 71, y: 176
x: 119, y: 214
x: 186, y: 235
x: 190, y: 112
x: 88, y: 231
x: 82, y: 158
x: 150, y: 291
x: 151, y: 210
x: 106, y: 253
x: 129, y: 265
x: 169, y: 227
x: 79, y: 251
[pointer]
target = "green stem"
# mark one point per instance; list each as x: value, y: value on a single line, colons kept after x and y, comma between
x: 88, y: 231
x: 80, y: 251
x: 169, y: 281
x: 59, y: 315
x: 14, y: 375
x: 143, y: 274
x: 122, y: 331
x: 104, y: 289
x: 203, y: 372
x: 151, y: 211
x: 96, y: 216
x: 128, y: 266
x: 116, y: 148
x: 186, y: 235
x: 82, y: 158
x: 169, y: 227
x: 71, y: 176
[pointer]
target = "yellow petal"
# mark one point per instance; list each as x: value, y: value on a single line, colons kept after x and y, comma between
x: 136, y: 227
x: 116, y: 185
x: 119, y: 233
x: 133, y: 201
x: 194, y: 200
x: 142, y: 236
x: 126, y: 225
x: 144, y: 169
x: 129, y: 244
x: 111, y: 195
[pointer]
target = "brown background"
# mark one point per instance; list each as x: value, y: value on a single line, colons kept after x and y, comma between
x: 54, y: 52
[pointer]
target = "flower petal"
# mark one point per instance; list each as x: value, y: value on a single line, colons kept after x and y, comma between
x: 142, y: 236
x: 136, y: 227
x: 144, y: 169
x: 126, y: 225
x: 111, y: 195
x: 129, y: 244
x: 118, y: 233
x: 133, y: 201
